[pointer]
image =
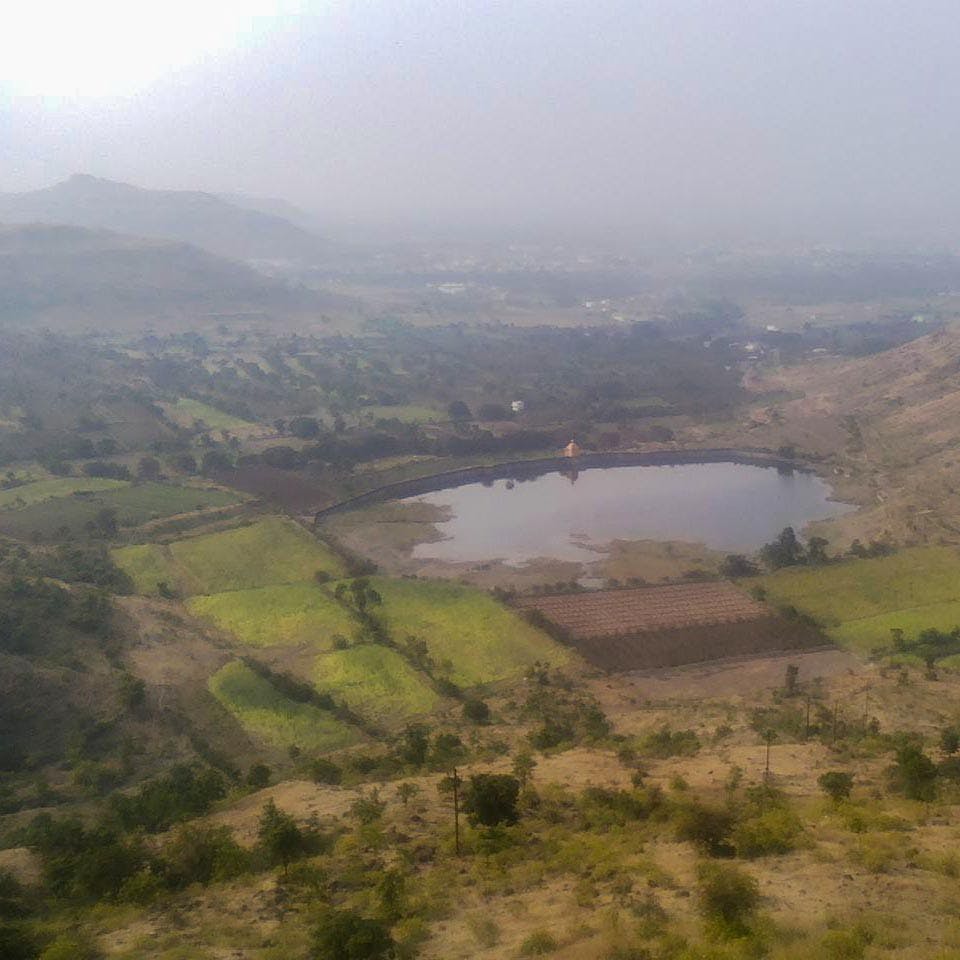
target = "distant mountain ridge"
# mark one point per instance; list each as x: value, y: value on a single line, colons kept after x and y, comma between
x: 203, y: 219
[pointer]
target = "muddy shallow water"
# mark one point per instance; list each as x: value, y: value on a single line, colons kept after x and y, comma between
x: 731, y: 507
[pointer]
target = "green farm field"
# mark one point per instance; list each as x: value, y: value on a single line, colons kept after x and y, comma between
x: 133, y: 504
x: 275, y: 719
x: 482, y: 639
x: 860, y: 601
x: 266, y: 553
x: 376, y: 682
x: 43, y: 490
x: 186, y: 412
x: 285, y: 614
x: 408, y: 413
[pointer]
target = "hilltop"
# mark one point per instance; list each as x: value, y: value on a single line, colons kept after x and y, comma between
x: 188, y: 216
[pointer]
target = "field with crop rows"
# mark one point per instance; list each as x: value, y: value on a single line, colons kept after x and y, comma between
x: 483, y: 640
x: 273, y: 718
x: 611, y: 613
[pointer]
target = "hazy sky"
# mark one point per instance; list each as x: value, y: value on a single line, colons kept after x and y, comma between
x: 682, y: 117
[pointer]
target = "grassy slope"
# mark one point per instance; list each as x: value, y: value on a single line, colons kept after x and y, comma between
x: 269, y: 552
x: 283, y: 614
x: 41, y: 490
x: 134, y: 504
x: 185, y: 411
x: 481, y: 638
x: 376, y: 682
x: 272, y: 717
x: 861, y: 600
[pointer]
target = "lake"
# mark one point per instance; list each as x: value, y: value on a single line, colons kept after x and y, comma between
x: 731, y: 507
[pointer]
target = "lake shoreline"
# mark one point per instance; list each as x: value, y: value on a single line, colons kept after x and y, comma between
x: 531, y: 469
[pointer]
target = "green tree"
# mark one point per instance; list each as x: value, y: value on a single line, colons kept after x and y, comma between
x: 280, y: 837
x: 476, y: 711
x: 836, y: 784
x: 915, y: 774
x: 259, y: 776
x: 950, y: 740
x: 727, y: 895
x: 523, y: 766
x: 491, y: 799
x: 407, y: 791
x: 345, y: 935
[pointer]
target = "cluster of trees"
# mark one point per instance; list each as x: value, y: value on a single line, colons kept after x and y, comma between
x: 38, y: 617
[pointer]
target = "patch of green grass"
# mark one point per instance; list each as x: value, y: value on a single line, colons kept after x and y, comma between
x: 376, y: 682
x: 871, y: 632
x: 859, y: 601
x: 271, y: 717
x: 133, y: 504
x: 186, y: 412
x: 41, y: 490
x: 268, y: 552
x: 483, y: 640
x: 286, y: 614
x: 408, y: 413
x: 147, y: 564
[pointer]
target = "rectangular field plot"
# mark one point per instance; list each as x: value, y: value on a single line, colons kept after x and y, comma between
x: 269, y: 552
x: 651, y: 627
x: 860, y: 601
x: 376, y: 682
x: 28, y: 494
x: 609, y: 613
x: 273, y: 718
x: 287, y: 614
x: 482, y: 640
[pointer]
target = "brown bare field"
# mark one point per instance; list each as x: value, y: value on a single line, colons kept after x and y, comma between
x: 650, y: 627
x: 611, y: 613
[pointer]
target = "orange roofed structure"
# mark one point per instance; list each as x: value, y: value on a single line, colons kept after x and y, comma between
x: 572, y: 449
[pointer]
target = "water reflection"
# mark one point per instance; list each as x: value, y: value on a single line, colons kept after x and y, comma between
x: 733, y: 507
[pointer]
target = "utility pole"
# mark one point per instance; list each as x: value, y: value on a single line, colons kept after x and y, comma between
x: 806, y: 731
x: 456, y: 810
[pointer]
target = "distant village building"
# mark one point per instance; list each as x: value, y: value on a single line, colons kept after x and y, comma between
x: 572, y: 449
x: 517, y: 406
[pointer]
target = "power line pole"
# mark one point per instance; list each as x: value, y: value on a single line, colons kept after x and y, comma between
x: 456, y: 810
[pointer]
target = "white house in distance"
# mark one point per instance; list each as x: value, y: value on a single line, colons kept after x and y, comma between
x: 517, y: 406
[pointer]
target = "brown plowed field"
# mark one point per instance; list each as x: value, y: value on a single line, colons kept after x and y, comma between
x: 652, y: 627
x: 610, y: 613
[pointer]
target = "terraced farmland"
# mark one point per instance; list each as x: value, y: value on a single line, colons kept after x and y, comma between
x: 482, y: 640
x: 860, y: 601
x: 376, y: 682
x: 269, y: 552
x: 275, y: 719
x: 286, y: 614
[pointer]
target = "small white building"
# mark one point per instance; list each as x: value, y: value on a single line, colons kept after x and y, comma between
x: 517, y: 406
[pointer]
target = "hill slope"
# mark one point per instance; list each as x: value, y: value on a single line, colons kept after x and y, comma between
x: 46, y: 267
x: 187, y: 216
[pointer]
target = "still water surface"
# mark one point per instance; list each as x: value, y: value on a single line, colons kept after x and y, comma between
x: 731, y: 507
